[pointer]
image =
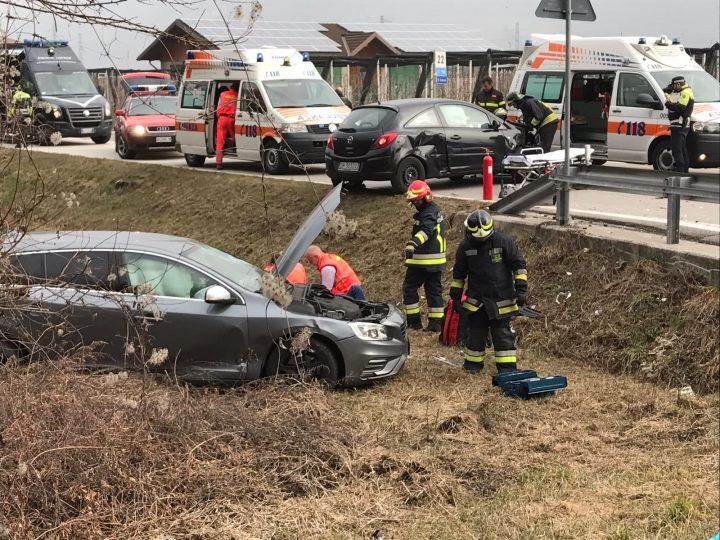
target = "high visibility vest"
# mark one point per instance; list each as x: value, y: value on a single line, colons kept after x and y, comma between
x: 18, y: 97
x: 297, y: 276
x: 227, y: 103
x: 345, y: 276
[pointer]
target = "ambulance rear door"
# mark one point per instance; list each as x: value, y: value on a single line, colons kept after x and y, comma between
x: 191, y: 118
x: 635, y: 117
x: 251, y: 116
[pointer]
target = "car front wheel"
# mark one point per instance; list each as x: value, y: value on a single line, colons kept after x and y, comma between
x: 318, y: 362
x: 409, y: 170
x: 274, y: 159
x: 193, y: 160
x: 122, y: 148
x: 662, y: 158
x: 101, y: 139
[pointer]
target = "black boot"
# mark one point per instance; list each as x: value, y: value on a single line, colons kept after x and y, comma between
x: 473, y: 367
x: 505, y: 368
x: 219, y: 167
x: 414, y: 322
x: 434, y: 325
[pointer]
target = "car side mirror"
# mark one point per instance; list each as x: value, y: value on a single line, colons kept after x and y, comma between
x: 646, y: 100
x: 495, y: 125
x: 119, y: 112
x: 217, y: 294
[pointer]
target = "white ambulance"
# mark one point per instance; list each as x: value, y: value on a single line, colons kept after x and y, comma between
x: 285, y: 109
x: 617, y: 96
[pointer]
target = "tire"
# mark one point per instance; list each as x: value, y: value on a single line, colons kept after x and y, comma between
x: 101, y: 139
x: 409, y: 169
x: 336, y: 181
x: 457, y: 178
x: 122, y: 148
x: 598, y: 162
x: 193, y: 160
x: 662, y: 159
x: 274, y: 159
x: 319, y: 362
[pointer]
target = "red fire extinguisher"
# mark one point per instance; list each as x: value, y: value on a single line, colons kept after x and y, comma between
x: 487, y: 178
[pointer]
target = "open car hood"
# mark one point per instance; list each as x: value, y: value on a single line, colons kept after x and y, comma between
x: 308, y: 231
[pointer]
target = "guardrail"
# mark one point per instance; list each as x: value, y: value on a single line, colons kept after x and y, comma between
x: 675, y: 188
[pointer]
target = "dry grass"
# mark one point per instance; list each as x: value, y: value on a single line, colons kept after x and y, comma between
x: 434, y: 453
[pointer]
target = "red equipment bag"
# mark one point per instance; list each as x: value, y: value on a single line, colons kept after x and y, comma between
x: 453, y: 329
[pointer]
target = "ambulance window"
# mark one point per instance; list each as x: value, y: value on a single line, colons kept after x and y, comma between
x: 631, y: 85
x: 194, y: 93
x: 251, y: 99
x: 544, y: 86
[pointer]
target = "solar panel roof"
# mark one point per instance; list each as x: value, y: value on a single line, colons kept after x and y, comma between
x: 422, y: 37
x: 304, y: 36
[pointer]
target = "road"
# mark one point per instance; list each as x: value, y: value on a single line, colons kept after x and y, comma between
x: 697, y: 218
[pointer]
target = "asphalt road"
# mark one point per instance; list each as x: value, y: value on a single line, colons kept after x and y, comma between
x: 697, y: 218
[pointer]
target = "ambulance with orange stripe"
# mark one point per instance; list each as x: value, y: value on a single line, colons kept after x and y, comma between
x: 284, y: 114
x: 617, y: 96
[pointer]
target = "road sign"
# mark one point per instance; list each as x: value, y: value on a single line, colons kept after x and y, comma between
x: 440, y: 61
x: 582, y: 10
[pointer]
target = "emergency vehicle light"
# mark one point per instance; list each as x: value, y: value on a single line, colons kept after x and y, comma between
x: 642, y: 41
x: 259, y: 57
x: 306, y: 56
x: 676, y: 41
x: 190, y: 55
x: 528, y: 42
x: 44, y: 42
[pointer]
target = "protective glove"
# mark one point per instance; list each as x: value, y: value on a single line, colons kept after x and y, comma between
x: 521, y: 300
x: 457, y: 303
x: 408, y: 253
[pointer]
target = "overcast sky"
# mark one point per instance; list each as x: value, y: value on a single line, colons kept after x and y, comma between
x: 493, y: 20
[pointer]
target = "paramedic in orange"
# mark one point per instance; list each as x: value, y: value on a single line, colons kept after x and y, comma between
x: 225, y: 125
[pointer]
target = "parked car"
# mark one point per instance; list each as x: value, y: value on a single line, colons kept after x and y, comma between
x: 404, y: 140
x: 145, y: 78
x: 208, y: 311
x: 146, y: 122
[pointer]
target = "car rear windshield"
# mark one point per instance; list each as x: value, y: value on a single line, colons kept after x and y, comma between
x: 148, y: 105
x: 367, y: 119
x: 236, y: 270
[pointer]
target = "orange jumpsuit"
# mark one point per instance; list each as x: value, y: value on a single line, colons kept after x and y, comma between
x: 225, y: 127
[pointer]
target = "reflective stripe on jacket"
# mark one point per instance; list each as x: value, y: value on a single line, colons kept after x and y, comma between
x: 536, y: 113
x: 345, y: 276
x: 492, y: 101
x: 227, y: 103
x: 428, y: 239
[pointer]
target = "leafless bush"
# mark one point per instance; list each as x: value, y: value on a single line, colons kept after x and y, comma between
x: 339, y: 227
x: 275, y: 288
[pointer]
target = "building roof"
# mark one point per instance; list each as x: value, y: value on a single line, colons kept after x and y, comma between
x: 178, y: 31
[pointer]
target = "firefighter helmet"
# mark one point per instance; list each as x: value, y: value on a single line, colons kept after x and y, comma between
x: 479, y: 225
x: 512, y: 97
x: 417, y: 190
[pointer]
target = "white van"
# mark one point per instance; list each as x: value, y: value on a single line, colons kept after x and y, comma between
x: 617, y: 98
x: 285, y: 109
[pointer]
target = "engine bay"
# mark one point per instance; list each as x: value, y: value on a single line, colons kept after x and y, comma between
x: 315, y: 299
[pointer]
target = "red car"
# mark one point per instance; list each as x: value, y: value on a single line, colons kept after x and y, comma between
x: 146, y: 122
x: 152, y: 79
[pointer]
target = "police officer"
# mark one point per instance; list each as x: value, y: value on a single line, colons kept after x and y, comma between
x: 494, y: 270
x: 490, y: 99
x: 537, y: 116
x: 679, y: 101
x: 425, y: 258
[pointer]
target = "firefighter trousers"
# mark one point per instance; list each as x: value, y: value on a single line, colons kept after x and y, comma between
x: 432, y: 281
x: 546, y: 134
x: 225, y: 129
x: 503, y: 339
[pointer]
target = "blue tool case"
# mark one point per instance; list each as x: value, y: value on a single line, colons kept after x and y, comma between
x: 535, y: 386
x: 501, y: 379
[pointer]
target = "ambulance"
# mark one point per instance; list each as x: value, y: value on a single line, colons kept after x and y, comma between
x: 617, y: 96
x: 285, y: 110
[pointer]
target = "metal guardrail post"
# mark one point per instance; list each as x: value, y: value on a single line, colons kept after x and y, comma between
x: 673, y: 211
x: 562, y: 200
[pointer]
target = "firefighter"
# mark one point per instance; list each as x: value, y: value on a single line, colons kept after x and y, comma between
x: 490, y: 99
x: 20, y: 100
x: 494, y: 270
x: 225, y: 125
x: 297, y: 276
x: 425, y: 258
x: 336, y: 274
x: 679, y: 101
x: 536, y: 116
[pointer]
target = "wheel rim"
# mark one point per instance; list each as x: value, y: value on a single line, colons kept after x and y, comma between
x: 272, y: 158
x: 665, y: 160
x: 411, y: 174
x: 122, y: 146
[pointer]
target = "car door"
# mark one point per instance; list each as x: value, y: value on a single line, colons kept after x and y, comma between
x: 632, y: 124
x: 193, y: 121
x: 251, y: 114
x: 469, y: 136
x: 203, y: 341
x: 427, y: 135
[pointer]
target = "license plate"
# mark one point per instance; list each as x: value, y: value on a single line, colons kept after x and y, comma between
x: 85, y: 131
x: 163, y: 139
x: 349, y: 166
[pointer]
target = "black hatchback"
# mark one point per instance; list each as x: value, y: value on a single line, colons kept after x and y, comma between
x: 404, y: 140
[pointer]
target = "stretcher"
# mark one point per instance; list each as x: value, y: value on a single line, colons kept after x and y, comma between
x: 532, y: 164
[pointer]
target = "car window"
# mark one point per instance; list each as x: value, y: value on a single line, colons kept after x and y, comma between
x: 83, y: 269
x: 152, y: 105
x: 630, y: 86
x: 367, y: 119
x: 425, y: 119
x: 193, y: 95
x: 162, y: 277
x: 251, y: 99
x: 223, y: 264
x: 547, y: 87
x: 462, y: 116
x: 29, y: 268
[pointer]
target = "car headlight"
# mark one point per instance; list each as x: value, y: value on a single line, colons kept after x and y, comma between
x: 57, y: 113
x: 369, y: 331
x: 295, y: 128
x: 706, y: 127
x: 138, y: 131
x: 108, y: 110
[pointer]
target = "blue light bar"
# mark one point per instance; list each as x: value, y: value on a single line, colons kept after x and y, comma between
x: 259, y: 57
x: 642, y: 41
x: 676, y: 41
x: 306, y: 56
x: 189, y: 55
x: 45, y: 42
x: 528, y: 42
x: 171, y: 88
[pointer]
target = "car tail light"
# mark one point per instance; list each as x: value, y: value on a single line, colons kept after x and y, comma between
x: 385, y: 140
x: 330, y: 142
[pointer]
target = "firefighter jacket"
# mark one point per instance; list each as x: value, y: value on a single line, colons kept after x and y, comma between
x: 679, y: 111
x: 227, y: 103
x: 345, y: 276
x: 492, y: 100
x: 495, y: 274
x: 428, y: 240
x: 20, y: 100
x: 535, y: 113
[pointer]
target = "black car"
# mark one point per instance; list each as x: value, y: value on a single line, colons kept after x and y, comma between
x: 407, y: 139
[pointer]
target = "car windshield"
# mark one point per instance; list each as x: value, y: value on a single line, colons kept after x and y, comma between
x: 367, y: 119
x: 236, y: 270
x: 64, y: 83
x: 147, y: 105
x: 301, y: 93
x: 705, y: 87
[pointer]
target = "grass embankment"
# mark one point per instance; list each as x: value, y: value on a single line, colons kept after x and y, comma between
x: 433, y: 453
